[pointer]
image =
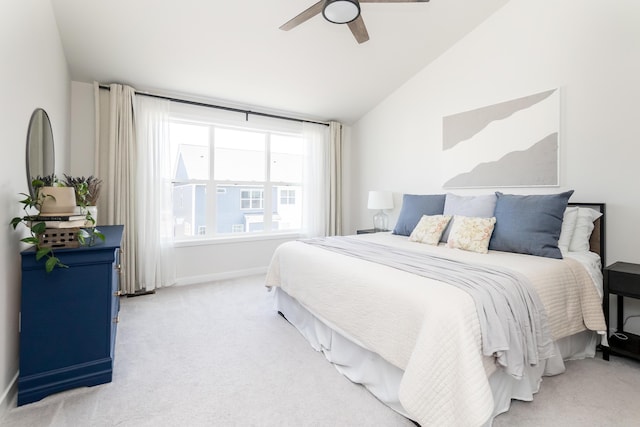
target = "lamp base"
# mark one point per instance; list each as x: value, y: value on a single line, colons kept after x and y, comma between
x: 380, y: 221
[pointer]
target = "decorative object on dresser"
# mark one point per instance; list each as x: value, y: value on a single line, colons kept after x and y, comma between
x: 623, y: 280
x: 380, y: 200
x: 68, y: 318
x: 56, y: 200
x: 58, y: 206
x: 87, y: 189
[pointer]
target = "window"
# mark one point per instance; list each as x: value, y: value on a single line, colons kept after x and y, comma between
x: 251, y: 199
x: 230, y: 179
x: 287, y: 197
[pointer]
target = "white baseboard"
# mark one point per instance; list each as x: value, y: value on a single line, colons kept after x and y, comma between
x: 206, y: 278
x: 6, y: 400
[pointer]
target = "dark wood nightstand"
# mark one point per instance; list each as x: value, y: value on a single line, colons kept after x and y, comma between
x: 369, y: 231
x: 623, y: 280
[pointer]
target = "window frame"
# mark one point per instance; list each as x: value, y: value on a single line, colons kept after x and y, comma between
x: 213, y: 186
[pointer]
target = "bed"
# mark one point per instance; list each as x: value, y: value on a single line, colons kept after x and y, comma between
x: 418, y: 341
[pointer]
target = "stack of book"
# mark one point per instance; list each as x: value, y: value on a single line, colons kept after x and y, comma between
x: 60, y: 221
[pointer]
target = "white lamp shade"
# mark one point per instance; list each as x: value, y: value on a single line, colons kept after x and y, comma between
x: 380, y: 200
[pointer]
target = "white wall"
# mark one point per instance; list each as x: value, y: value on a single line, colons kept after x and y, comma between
x: 34, y: 74
x: 82, y: 130
x: 588, y: 49
x: 221, y: 260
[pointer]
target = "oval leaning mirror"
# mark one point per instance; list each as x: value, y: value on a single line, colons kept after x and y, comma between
x: 40, y: 151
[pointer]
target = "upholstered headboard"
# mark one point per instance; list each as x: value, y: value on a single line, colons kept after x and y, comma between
x: 597, y: 240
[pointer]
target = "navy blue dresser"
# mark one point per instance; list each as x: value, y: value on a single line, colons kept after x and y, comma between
x: 68, y: 318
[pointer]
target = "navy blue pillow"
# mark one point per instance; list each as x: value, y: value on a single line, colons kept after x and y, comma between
x: 413, y: 207
x: 529, y: 224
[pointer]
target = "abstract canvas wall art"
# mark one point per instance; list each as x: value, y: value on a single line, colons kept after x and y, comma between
x: 509, y: 144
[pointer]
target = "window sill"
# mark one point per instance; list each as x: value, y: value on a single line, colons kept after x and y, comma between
x: 235, y: 239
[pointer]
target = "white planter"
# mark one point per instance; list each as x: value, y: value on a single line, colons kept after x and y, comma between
x: 57, y: 200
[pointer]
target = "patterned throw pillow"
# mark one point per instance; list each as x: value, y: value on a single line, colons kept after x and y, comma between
x: 429, y: 229
x: 471, y: 233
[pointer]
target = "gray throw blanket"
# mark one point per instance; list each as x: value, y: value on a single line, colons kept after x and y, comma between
x: 513, y: 321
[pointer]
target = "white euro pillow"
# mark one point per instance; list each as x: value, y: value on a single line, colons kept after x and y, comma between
x: 584, y: 227
x: 569, y: 220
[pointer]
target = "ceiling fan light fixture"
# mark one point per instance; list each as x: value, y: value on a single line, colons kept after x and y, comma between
x: 341, y: 11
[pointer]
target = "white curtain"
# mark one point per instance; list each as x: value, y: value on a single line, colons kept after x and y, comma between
x: 154, y: 209
x: 131, y: 159
x: 323, y: 179
x: 334, y: 226
x: 115, y: 165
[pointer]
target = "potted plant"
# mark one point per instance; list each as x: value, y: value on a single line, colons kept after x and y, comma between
x: 87, y: 192
x: 37, y: 226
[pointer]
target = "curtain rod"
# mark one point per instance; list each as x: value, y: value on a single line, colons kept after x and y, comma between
x: 221, y: 107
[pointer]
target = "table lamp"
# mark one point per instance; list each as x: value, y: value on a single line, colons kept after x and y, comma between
x: 380, y: 200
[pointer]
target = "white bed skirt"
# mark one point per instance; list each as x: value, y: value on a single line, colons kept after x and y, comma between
x: 382, y: 379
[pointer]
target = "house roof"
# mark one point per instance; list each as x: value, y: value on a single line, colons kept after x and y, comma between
x: 233, y: 52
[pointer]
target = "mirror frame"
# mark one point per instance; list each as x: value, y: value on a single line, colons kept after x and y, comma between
x: 40, y: 150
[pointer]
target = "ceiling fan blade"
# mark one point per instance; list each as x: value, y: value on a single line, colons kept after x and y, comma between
x: 359, y: 30
x: 393, y: 1
x: 304, y: 16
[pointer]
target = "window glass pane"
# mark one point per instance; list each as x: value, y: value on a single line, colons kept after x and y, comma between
x: 288, y: 212
x: 190, y: 151
x: 239, y: 155
x: 189, y: 209
x: 239, y: 209
x: 286, y: 158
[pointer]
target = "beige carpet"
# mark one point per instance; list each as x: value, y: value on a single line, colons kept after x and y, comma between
x: 219, y: 355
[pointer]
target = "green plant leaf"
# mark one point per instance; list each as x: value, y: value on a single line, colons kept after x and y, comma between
x: 15, y: 221
x: 99, y: 235
x: 39, y: 228
x: 42, y: 252
x: 51, y: 263
x: 32, y: 240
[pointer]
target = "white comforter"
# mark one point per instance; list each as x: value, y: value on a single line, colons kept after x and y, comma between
x: 425, y: 327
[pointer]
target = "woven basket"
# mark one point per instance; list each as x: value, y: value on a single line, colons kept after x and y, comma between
x: 59, y: 238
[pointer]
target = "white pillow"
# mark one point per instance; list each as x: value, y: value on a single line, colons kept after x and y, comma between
x: 429, y: 229
x: 471, y: 233
x: 568, y: 227
x: 583, y: 229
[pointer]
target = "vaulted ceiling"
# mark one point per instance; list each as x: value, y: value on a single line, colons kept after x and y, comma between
x: 233, y: 52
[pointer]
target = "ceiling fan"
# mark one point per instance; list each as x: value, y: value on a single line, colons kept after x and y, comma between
x: 341, y: 12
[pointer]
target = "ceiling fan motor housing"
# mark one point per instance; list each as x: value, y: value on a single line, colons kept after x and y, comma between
x: 341, y: 11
